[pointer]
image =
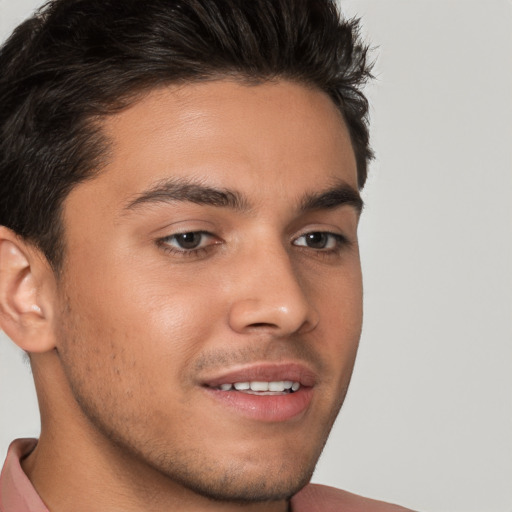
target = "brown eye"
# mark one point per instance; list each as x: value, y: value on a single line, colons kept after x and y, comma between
x: 319, y: 240
x: 189, y: 240
x: 185, y: 242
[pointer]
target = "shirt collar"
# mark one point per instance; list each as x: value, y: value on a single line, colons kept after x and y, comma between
x: 17, y: 494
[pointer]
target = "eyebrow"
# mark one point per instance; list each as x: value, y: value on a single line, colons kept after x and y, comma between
x: 186, y: 190
x: 339, y: 195
x: 182, y: 190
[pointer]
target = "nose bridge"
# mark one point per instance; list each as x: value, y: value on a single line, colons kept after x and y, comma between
x: 270, y: 294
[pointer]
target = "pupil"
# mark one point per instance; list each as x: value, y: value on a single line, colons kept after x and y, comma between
x: 316, y: 240
x: 189, y: 240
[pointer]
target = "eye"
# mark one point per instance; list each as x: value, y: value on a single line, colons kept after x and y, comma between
x: 319, y: 240
x: 187, y: 242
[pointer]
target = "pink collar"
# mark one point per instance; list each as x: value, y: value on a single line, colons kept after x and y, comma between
x: 16, y: 492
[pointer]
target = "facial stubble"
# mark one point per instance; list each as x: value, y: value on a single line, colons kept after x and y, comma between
x: 189, y: 468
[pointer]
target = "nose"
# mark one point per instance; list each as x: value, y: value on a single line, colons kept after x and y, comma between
x: 270, y: 296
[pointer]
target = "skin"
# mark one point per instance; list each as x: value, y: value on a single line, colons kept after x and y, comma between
x: 122, y: 342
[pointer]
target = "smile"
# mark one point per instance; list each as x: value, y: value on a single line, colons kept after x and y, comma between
x: 264, y: 392
x: 263, y: 388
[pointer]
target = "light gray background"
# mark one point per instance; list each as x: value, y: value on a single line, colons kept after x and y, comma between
x: 428, y: 419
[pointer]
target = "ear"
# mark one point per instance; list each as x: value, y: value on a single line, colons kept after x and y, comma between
x: 27, y: 291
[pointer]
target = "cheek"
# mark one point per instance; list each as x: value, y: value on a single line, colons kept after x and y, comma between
x: 341, y: 310
x: 147, y: 328
x: 125, y: 348
x: 338, y: 297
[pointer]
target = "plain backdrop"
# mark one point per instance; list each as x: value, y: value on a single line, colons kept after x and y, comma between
x: 428, y: 419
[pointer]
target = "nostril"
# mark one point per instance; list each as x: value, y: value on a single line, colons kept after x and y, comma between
x: 262, y: 324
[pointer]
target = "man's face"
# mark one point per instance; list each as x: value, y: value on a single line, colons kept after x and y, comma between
x: 218, y: 248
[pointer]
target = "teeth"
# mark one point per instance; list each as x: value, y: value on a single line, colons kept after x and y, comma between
x: 259, y: 386
x: 278, y: 386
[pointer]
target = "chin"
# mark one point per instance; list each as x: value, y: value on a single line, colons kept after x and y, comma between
x: 237, y: 485
x: 247, y: 475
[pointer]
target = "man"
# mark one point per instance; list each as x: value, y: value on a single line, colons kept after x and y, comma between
x: 178, y: 252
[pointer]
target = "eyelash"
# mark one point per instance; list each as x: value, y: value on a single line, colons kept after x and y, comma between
x: 341, y: 244
x: 340, y: 241
x: 164, y: 243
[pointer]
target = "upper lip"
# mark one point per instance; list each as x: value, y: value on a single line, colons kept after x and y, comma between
x: 266, y: 372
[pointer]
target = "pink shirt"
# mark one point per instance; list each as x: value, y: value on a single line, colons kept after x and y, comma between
x: 18, y: 495
x: 16, y: 492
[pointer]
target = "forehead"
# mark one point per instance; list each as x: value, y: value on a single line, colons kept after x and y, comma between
x: 269, y: 139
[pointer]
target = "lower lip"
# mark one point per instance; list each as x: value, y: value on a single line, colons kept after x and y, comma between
x: 269, y: 408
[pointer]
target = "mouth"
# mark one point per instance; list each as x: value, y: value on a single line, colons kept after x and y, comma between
x: 263, y: 388
x: 269, y: 393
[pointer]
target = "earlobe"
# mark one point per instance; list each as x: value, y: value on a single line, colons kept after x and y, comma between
x: 25, y: 301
